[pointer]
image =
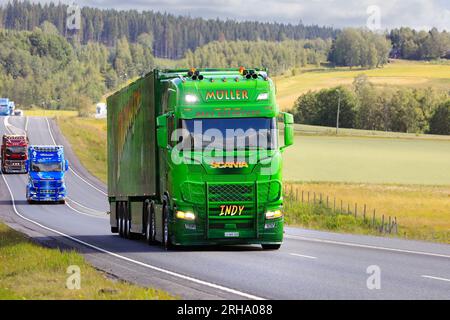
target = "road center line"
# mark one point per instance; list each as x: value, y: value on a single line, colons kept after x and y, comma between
x: 351, y: 244
x: 435, y: 278
x: 302, y: 256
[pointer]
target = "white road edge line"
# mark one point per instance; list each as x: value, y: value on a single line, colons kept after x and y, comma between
x: 350, y: 244
x: 302, y: 256
x: 171, y: 273
x: 73, y: 171
x: 83, y: 206
x: 435, y: 278
x: 84, y: 213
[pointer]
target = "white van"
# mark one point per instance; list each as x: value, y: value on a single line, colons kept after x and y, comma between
x: 100, y: 110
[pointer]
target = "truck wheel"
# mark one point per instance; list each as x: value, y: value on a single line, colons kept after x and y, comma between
x: 126, y: 222
x: 62, y: 201
x: 120, y: 219
x: 150, y: 230
x: 166, y: 238
x: 271, y: 246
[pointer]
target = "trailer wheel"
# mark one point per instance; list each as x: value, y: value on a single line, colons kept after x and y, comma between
x: 166, y: 238
x: 150, y: 230
x: 120, y: 219
x: 271, y: 246
x: 126, y: 221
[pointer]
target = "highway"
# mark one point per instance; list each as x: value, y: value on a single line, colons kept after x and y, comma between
x: 309, y: 265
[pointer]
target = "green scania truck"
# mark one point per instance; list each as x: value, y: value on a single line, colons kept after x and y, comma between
x: 194, y: 158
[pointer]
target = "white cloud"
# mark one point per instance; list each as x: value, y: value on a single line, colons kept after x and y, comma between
x: 337, y: 13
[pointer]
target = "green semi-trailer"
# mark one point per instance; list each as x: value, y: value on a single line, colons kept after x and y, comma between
x: 194, y: 158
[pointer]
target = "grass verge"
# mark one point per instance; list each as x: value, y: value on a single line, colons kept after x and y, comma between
x: 87, y: 137
x: 422, y: 211
x: 29, y: 271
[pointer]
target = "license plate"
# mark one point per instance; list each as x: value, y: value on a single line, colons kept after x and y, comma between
x: 231, y: 234
x: 231, y: 210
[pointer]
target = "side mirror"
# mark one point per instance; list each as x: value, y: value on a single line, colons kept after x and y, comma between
x: 288, y: 129
x: 66, y: 165
x: 161, y: 131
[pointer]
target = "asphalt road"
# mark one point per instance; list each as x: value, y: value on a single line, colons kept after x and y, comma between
x: 310, y: 264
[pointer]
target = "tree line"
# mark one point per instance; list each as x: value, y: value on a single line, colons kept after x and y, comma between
x: 364, y: 106
x: 420, y: 45
x: 173, y: 35
x: 41, y: 68
x: 278, y: 57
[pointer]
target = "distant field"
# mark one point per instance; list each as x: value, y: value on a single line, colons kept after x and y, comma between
x: 304, y: 129
x: 368, y: 160
x: 397, y: 73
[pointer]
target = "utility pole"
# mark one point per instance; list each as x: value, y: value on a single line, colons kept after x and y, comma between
x: 338, y: 111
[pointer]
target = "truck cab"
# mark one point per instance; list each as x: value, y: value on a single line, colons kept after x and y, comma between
x: 5, y: 107
x: 14, y: 153
x: 46, y: 170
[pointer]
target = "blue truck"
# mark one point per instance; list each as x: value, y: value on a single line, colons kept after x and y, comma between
x: 46, y: 167
x: 5, y: 107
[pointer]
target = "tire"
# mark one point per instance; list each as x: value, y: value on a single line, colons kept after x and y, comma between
x: 166, y: 243
x: 120, y: 219
x: 150, y: 228
x: 126, y: 222
x: 62, y: 201
x: 114, y: 229
x: 271, y: 246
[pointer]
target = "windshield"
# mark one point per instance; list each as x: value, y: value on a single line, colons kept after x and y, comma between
x: 229, y: 133
x: 15, y: 150
x: 46, y: 167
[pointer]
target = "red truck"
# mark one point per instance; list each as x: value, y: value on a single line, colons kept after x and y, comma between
x: 14, y: 153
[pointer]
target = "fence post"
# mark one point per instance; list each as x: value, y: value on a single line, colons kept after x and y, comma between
x: 364, y: 212
x: 348, y: 208
x: 373, y: 220
x: 382, y: 223
x: 396, y: 225
x: 356, y: 210
x: 390, y: 226
x: 334, y: 204
x: 296, y: 194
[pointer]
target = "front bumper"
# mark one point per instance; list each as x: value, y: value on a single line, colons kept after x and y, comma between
x: 189, y: 233
x: 45, y: 195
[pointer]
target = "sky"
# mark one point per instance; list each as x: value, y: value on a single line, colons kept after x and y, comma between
x: 375, y: 14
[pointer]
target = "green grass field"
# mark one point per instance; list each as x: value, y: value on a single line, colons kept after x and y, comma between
x: 25, y: 264
x: 398, y: 73
x: 368, y: 160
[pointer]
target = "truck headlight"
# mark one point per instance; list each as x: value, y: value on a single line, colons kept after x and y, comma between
x: 190, y: 98
x: 274, y: 214
x: 185, y: 215
x: 263, y: 96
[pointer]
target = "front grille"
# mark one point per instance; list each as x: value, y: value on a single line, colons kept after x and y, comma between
x: 231, y: 193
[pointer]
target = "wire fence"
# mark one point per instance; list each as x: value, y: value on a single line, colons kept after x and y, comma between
x: 382, y: 223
